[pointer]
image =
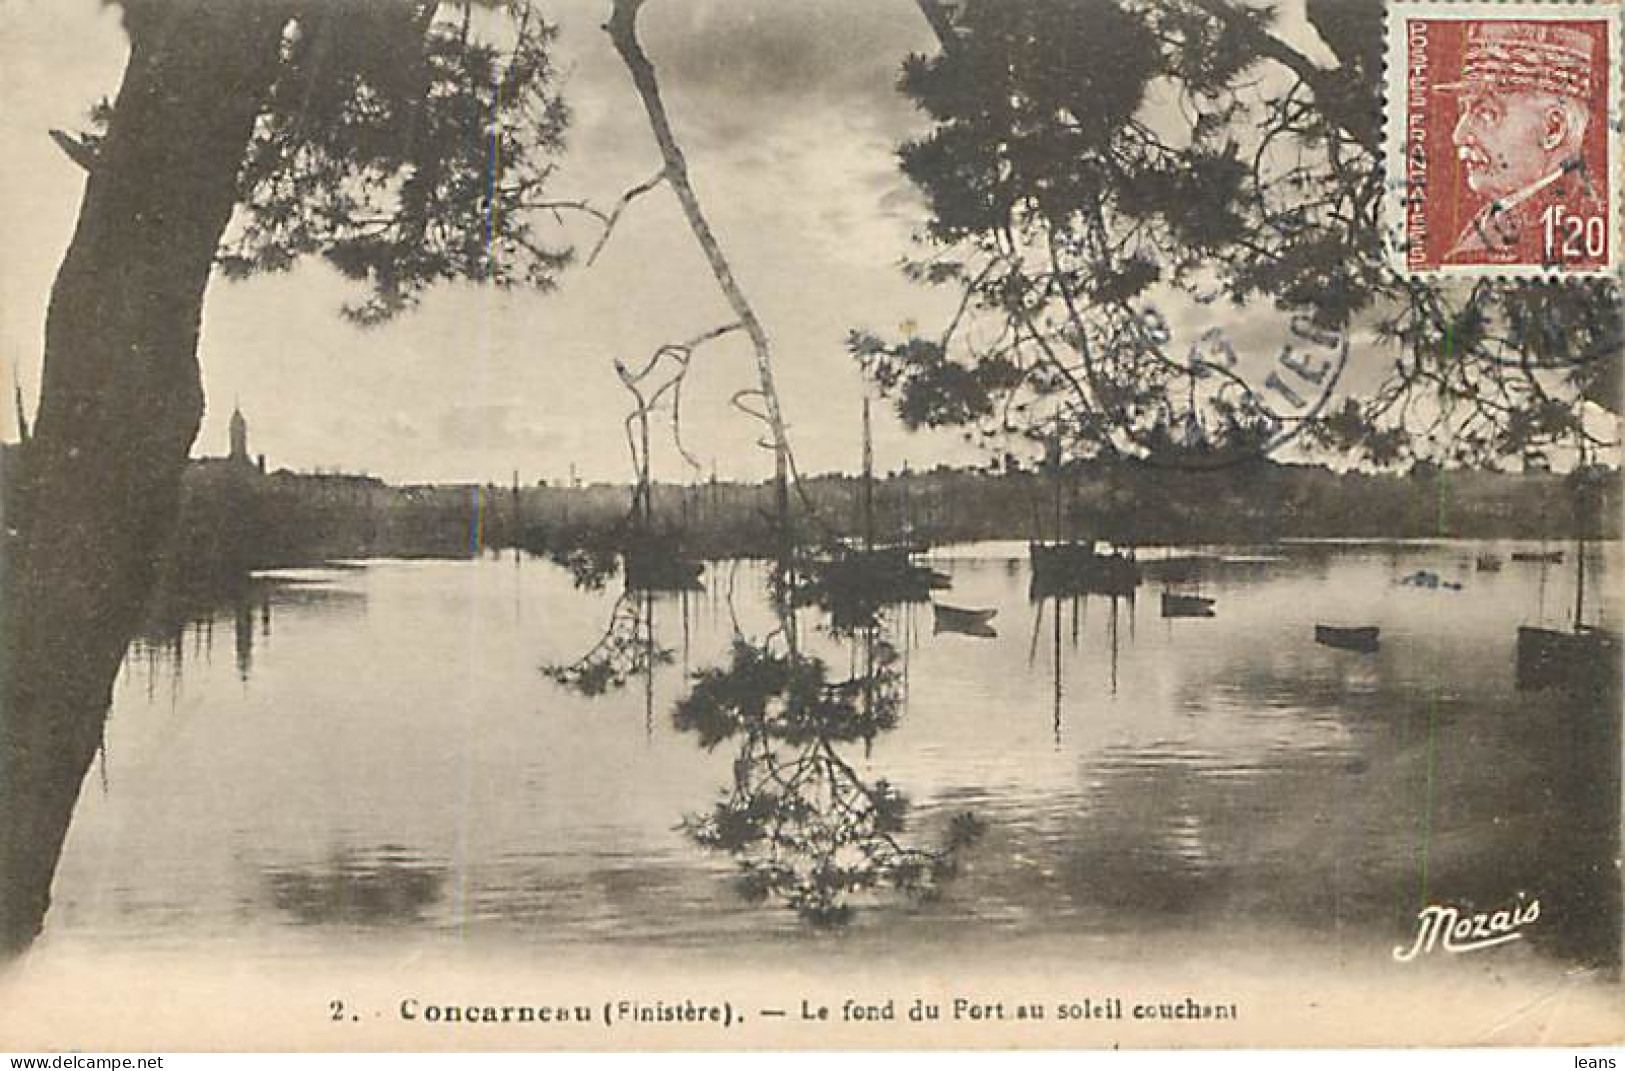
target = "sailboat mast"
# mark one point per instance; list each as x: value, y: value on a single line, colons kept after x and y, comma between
x: 644, y: 476
x: 518, y: 519
x: 868, y: 481
x: 1582, y: 511
x: 906, y: 486
x: 1580, y: 583
x: 1060, y: 535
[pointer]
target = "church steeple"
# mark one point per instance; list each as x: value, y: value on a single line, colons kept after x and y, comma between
x: 239, y: 434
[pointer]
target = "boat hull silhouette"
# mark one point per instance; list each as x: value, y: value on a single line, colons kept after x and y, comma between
x: 1362, y: 638
x: 1079, y: 569
x: 1177, y: 605
x: 1585, y: 659
x: 648, y: 570
x: 963, y: 621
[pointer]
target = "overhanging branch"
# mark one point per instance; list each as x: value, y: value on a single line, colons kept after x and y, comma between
x: 622, y: 29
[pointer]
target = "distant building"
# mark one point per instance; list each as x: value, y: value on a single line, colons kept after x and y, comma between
x: 238, y: 458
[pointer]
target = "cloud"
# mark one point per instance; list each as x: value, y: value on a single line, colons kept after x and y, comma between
x: 400, y: 426
x: 785, y: 53
x: 734, y: 74
x: 491, y: 427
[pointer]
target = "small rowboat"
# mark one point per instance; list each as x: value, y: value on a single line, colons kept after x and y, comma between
x: 1177, y: 605
x: 957, y: 619
x: 1358, y: 638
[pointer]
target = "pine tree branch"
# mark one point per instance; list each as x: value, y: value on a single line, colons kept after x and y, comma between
x: 1329, y: 85
x: 78, y: 150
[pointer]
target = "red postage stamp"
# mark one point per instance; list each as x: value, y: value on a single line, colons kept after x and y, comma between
x: 1504, y: 137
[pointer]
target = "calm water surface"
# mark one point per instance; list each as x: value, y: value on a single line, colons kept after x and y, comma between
x: 373, y: 755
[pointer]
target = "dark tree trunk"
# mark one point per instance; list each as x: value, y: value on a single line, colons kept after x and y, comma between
x: 120, y: 404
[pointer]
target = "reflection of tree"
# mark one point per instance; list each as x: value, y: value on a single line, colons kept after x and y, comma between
x: 800, y: 820
x: 590, y: 567
x: 625, y: 650
x: 179, y: 612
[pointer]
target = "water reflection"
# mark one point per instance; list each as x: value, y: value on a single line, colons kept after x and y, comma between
x: 385, y: 887
x: 801, y: 823
x: 626, y: 649
x: 180, y: 624
x: 590, y: 568
x: 803, y: 826
x: 1075, y: 609
x: 1206, y: 777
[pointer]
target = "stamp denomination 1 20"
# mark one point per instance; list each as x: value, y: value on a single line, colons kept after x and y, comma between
x: 1504, y: 137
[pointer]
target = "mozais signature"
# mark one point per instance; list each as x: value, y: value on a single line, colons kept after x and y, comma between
x: 1442, y: 926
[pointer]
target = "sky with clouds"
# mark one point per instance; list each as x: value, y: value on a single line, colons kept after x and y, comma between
x: 789, y: 116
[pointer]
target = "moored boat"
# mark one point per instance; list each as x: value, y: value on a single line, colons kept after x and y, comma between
x: 880, y: 575
x: 1583, y: 659
x: 660, y: 569
x: 1179, y: 570
x: 1175, y: 604
x: 964, y: 622
x: 1586, y: 658
x: 952, y: 618
x: 1077, y: 568
x: 1365, y: 638
x: 854, y: 578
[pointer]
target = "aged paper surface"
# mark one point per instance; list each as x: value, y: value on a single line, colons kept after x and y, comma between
x: 700, y: 524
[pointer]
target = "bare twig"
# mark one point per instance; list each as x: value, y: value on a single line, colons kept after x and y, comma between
x: 682, y: 353
x: 622, y: 28
x: 614, y: 216
x: 606, y: 220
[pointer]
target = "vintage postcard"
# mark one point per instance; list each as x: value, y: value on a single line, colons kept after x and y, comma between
x: 774, y: 524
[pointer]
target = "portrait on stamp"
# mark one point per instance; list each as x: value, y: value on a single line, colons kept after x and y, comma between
x: 1507, y: 142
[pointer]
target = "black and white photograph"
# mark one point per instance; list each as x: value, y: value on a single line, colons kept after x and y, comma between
x: 808, y: 525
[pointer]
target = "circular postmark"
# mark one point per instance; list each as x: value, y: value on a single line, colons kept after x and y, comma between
x: 1231, y: 393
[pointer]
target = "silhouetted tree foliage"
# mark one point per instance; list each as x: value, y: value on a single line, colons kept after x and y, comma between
x: 802, y: 823
x: 403, y: 142
x: 1093, y: 165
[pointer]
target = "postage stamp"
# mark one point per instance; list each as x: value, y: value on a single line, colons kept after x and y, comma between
x: 1503, y: 137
